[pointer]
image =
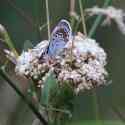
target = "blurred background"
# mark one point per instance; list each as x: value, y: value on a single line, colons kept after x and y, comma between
x: 23, y: 19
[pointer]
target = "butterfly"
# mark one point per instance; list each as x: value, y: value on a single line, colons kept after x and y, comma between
x: 61, y: 34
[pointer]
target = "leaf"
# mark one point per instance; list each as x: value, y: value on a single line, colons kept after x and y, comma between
x: 62, y: 97
x: 50, y: 83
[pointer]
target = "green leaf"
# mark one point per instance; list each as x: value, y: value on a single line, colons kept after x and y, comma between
x: 62, y: 97
x: 50, y: 83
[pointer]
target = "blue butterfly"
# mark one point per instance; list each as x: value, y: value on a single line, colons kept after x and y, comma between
x: 61, y: 34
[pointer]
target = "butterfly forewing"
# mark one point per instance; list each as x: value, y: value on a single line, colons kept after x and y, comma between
x: 59, y: 37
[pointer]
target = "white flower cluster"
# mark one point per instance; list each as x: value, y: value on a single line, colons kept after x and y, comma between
x: 111, y: 13
x: 81, y: 64
x: 85, y: 68
x: 28, y: 59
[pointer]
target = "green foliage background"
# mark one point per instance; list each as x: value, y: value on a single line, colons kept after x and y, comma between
x: 22, y: 19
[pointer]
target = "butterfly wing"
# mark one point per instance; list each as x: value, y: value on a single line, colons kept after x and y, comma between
x: 59, y: 37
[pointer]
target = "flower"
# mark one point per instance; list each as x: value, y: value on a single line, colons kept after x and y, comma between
x: 28, y: 59
x: 81, y: 64
x: 84, y: 68
x: 111, y: 13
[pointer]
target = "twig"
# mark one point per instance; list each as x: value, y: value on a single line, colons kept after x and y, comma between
x: 71, y: 12
x: 72, y: 7
x: 25, y: 99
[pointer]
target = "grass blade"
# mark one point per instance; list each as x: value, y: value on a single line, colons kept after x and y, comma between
x: 47, y: 17
x: 82, y: 17
x: 7, y: 39
x: 98, y: 20
x: 50, y: 83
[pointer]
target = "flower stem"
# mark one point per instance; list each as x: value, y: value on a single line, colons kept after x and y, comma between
x: 25, y: 99
x: 72, y: 7
x: 77, y: 25
x: 96, y: 108
x: 47, y: 17
x: 56, y: 110
x: 90, y: 34
x: 72, y: 10
x: 98, y: 20
x: 7, y: 39
x: 83, y: 18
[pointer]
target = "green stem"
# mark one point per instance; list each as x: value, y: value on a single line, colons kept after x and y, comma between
x: 25, y: 99
x: 56, y: 110
x: 7, y: 39
x: 95, y: 108
x: 83, y: 18
x: 72, y: 22
x: 72, y: 10
x: 90, y: 34
x: 47, y: 17
x: 98, y: 20
x: 77, y: 25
